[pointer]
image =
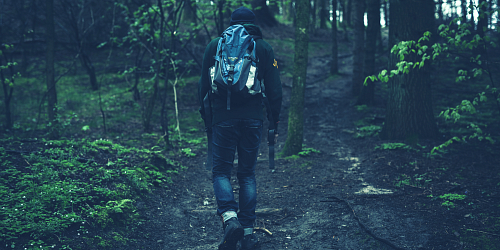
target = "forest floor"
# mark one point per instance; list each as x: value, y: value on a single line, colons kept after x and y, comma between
x: 350, y: 195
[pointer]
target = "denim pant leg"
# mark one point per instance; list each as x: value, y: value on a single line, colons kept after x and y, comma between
x: 248, y: 149
x: 225, y: 141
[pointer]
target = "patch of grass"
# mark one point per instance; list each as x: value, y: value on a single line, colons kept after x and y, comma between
x: 362, y: 108
x: 418, y: 180
x: 62, y: 190
x: 449, y: 198
x: 306, y: 151
x: 393, y: 146
x: 366, y: 131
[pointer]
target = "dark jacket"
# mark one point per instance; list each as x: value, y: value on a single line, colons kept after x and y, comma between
x: 268, y: 71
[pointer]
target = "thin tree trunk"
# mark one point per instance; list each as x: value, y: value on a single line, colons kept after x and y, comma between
x: 314, y: 10
x: 472, y: 18
x: 368, y: 91
x: 385, y: 8
x: 89, y: 67
x: 323, y: 14
x: 409, y: 108
x: 148, y: 112
x: 295, y: 137
x: 7, y: 92
x: 334, y: 69
x: 344, y: 19
x: 190, y: 12
x: 348, y: 13
x: 220, y: 17
x: 463, y: 5
x: 49, y: 64
x: 358, y: 46
x: 440, y: 10
x: 482, y: 22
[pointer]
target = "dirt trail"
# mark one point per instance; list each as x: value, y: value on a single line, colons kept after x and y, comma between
x: 299, y: 203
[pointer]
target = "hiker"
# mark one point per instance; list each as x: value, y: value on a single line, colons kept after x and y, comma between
x: 235, y: 122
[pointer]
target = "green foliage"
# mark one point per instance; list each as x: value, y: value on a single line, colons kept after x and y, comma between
x: 371, y: 130
x: 451, y: 197
x: 308, y: 151
x: 393, y: 146
x: 60, y: 186
x: 418, y: 180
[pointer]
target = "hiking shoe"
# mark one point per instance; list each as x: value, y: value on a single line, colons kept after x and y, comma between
x: 249, y: 242
x: 233, y: 232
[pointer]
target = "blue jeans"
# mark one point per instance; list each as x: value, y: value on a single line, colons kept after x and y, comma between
x: 243, y: 135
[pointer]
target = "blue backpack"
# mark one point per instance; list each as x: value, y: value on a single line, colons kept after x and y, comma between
x: 234, y: 75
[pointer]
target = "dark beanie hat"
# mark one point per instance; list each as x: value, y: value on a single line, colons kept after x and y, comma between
x: 242, y: 15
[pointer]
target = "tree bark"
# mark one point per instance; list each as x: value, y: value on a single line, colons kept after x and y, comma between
x: 482, y: 22
x: 334, y: 68
x: 323, y: 14
x: 295, y: 137
x: 358, y: 46
x: 463, y: 5
x: 409, y: 108
x: 263, y: 15
x: 472, y: 19
x: 49, y: 64
x: 314, y: 8
x: 7, y: 92
x: 189, y: 14
x: 89, y: 67
x: 385, y: 8
x: 348, y: 13
x: 158, y: 42
x: 220, y: 17
x: 368, y: 91
x: 440, y: 10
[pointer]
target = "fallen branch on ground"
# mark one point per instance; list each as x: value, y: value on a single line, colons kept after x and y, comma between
x: 263, y: 229
x: 336, y: 199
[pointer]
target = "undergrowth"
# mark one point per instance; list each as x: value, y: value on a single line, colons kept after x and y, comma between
x: 78, y: 193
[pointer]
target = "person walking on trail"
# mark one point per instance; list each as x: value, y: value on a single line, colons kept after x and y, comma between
x: 235, y: 120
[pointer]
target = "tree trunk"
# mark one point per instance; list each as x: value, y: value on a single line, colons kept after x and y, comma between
x: 348, y: 13
x: 323, y: 14
x: 392, y: 35
x: 334, y: 69
x: 368, y: 91
x: 440, y: 10
x: 293, y: 144
x: 220, y: 17
x: 472, y: 19
x: 49, y: 64
x: 344, y: 22
x: 314, y: 10
x: 409, y: 108
x: 263, y: 15
x: 7, y: 92
x: 189, y: 14
x: 89, y: 67
x: 482, y: 22
x: 385, y: 8
x: 463, y: 5
x: 358, y: 46
x: 498, y: 17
